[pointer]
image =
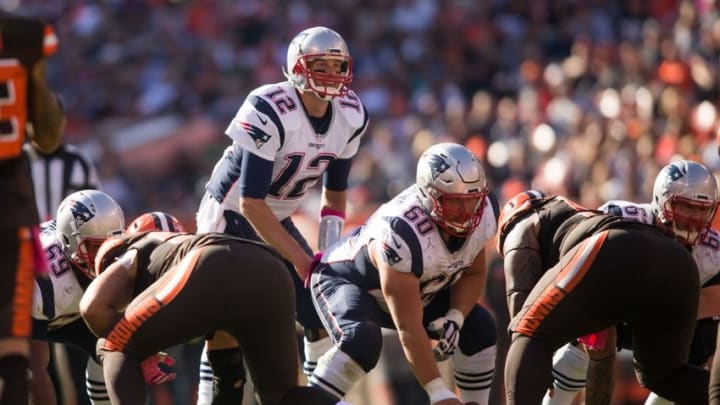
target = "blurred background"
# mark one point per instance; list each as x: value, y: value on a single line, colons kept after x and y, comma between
x: 585, y: 98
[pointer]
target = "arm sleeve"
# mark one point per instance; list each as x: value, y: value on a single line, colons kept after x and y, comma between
x: 336, y: 176
x: 255, y: 176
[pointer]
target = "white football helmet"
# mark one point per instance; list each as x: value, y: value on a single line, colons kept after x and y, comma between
x: 85, y: 219
x: 685, y: 198
x: 452, y: 187
x: 319, y: 43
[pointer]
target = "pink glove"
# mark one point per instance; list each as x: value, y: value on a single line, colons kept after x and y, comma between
x: 595, y: 340
x: 313, y: 264
x: 40, y: 263
x: 157, y: 369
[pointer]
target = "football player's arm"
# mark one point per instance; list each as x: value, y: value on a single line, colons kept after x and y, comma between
x: 41, y: 386
x: 402, y: 294
x: 523, y: 263
x: 46, y: 113
x: 466, y: 292
x: 709, y: 303
x: 335, y: 183
x: 255, y: 179
x: 107, y: 296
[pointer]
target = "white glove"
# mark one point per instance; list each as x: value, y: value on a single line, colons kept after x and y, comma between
x: 448, y: 327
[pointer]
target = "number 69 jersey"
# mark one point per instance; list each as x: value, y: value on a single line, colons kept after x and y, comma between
x: 56, y: 298
x: 273, y: 125
x: 413, y: 244
x: 706, y: 253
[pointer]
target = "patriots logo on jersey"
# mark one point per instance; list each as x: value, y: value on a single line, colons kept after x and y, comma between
x: 81, y: 213
x: 391, y: 256
x: 438, y: 165
x: 259, y: 136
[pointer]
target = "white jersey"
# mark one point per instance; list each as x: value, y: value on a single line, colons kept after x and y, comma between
x: 273, y: 125
x: 412, y: 244
x: 57, y: 297
x: 706, y: 253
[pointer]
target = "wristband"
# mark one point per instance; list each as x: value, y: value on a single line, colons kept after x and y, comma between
x: 330, y: 228
x: 437, y: 391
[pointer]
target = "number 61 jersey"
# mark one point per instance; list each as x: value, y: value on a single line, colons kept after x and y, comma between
x: 411, y: 243
x: 272, y: 124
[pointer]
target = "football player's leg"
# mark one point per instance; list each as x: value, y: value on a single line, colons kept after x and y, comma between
x: 16, y: 294
x: 95, y: 383
x: 266, y: 330
x: 316, y: 340
x: 354, y: 319
x: 474, y: 361
x: 124, y: 377
x: 222, y: 371
x: 570, y: 365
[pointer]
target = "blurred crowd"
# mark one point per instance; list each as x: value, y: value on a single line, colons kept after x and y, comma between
x: 588, y: 98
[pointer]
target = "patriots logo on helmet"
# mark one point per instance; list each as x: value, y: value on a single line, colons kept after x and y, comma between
x: 391, y: 256
x: 675, y: 172
x: 259, y: 136
x: 81, y: 213
x: 438, y: 165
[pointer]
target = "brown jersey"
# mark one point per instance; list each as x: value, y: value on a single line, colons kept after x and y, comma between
x: 23, y: 42
x: 158, y: 252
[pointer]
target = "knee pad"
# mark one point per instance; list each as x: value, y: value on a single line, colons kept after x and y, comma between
x: 363, y: 343
x: 336, y: 373
x: 228, y: 371
x: 478, y: 332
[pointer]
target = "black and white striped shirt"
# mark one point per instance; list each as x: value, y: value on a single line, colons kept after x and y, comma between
x: 59, y: 174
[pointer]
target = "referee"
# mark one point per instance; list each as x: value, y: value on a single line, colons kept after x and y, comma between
x: 56, y: 175
x: 59, y: 174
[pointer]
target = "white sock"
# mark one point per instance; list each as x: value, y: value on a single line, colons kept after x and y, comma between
x: 313, y: 351
x: 336, y: 373
x: 655, y: 399
x: 95, y: 383
x: 205, y: 386
x: 570, y: 366
x: 474, y: 374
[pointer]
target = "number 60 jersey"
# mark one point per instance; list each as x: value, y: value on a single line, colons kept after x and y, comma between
x: 273, y: 125
x: 413, y: 244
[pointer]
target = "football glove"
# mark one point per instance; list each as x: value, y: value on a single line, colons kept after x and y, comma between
x: 158, y: 368
x: 448, y: 328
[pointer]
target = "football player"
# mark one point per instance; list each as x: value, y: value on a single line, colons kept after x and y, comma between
x: 152, y: 293
x: 417, y: 265
x: 684, y: 200
x: 84, y: 220
x: 285, y: 137
x: 27, y: 102
x: 571, y: 271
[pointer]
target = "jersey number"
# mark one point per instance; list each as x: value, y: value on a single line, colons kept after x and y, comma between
x: 281, y: 187
x: 59, y: 264
x: 419, y: 218
x: 13, y: 107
